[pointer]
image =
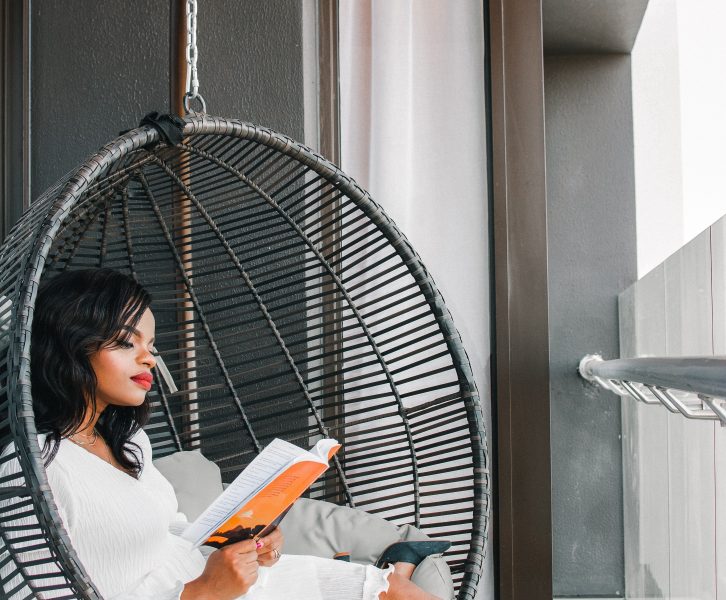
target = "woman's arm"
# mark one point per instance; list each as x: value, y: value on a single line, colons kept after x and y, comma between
x: 230, y: 573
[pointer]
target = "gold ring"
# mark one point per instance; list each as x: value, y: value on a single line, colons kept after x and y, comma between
x: 276, y: 553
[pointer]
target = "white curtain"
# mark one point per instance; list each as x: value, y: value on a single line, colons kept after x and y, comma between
x: 413, y: 134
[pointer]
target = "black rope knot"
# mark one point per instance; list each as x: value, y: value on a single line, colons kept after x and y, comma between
x: 170, y: 127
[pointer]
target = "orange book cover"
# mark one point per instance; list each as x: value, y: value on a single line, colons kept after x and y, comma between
x: 261, y: 495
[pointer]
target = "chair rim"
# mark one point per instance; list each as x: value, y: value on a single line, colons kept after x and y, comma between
x: 71, y: 190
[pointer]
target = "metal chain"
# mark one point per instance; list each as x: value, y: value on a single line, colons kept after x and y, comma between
x: 192, y: 92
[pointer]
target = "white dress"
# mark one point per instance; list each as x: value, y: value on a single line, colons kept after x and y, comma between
x: 122, y: 530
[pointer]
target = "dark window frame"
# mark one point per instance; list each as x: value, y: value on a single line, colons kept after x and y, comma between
x: 520, y: 363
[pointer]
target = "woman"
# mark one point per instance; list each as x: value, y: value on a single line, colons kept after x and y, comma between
x: 92, y: 355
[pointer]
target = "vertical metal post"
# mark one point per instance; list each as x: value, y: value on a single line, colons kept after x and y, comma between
x: 3, y: 125
x: 329, y: 95
x: 329, y: 146
x: 16, y: 118
x: 177, y: 56
x: 182, y: 228
x: 521, y: 394
x: 27, y: 104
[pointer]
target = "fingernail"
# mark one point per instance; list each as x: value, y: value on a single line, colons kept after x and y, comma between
x: 259, y: 544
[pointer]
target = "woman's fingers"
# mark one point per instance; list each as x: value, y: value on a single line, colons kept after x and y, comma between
x: 274, y: 539
x: 270, y: 548
x: 243, y: 547
x: 267, y: 559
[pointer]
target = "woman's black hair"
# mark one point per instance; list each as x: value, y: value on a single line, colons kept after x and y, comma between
x: 76, y: 314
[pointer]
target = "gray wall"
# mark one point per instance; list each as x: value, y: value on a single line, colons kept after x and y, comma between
x: 98, y: 67
x: 591, y: 259
x: 250, y: 64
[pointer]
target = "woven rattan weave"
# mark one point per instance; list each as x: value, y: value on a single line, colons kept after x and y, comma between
x: 287, y: 305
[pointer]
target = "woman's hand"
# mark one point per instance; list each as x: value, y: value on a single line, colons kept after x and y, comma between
x: 230, y: 572
x: 271, y: 548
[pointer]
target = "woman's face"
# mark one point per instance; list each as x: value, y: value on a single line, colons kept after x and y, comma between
x: 123, y: 369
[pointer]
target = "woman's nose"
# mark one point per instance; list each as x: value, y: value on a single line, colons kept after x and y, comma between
x: 148, y: 358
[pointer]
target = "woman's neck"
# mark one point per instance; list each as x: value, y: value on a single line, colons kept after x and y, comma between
x: 90, y: 419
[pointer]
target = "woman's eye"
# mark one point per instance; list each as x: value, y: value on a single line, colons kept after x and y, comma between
x: 122, y: 344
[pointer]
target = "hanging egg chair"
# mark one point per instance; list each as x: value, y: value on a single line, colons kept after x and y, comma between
x: 287, y: 305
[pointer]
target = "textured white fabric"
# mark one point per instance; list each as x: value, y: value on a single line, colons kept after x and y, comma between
x: 122, y: 527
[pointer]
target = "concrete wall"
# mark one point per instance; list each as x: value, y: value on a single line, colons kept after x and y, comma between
x: 98, y: 67
x: 591, y: 259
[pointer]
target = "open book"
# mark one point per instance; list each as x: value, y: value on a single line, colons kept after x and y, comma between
x: 261, y: 494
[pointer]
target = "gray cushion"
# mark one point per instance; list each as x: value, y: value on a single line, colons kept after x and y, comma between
x: 324, y: 529
x: 312, y: 527
x: 434, y: 576
x: 196, y: 480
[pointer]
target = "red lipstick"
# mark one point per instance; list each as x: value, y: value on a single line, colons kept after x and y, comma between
x: 144, y: 380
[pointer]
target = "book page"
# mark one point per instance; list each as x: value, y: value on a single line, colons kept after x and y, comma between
x: 321, y: 452
x: 270, y: 462
x: 271, y: 501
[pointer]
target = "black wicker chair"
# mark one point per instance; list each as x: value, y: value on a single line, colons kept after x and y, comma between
x: 287, y: 305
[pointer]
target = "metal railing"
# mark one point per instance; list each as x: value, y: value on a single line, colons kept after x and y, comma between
x: 694, y: 386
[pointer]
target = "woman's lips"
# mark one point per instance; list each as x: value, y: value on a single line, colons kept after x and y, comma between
x: 144, y: 380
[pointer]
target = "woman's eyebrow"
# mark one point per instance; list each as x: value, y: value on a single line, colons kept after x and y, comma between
x: 137, y: 333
